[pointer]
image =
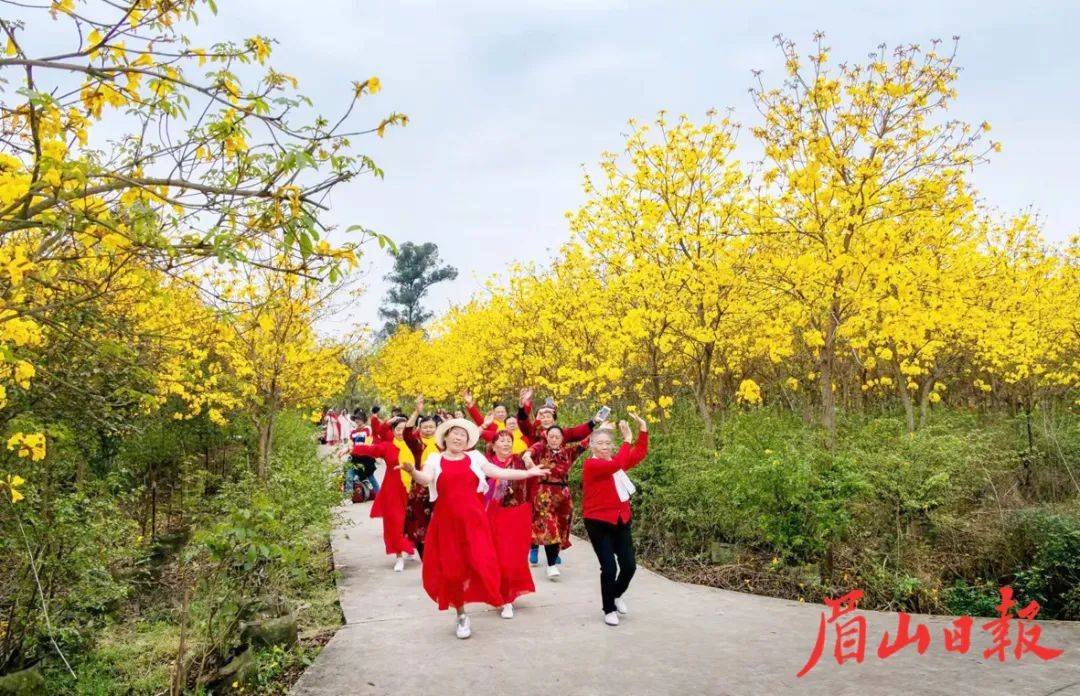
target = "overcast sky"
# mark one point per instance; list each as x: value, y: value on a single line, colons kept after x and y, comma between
x: 508, y: 98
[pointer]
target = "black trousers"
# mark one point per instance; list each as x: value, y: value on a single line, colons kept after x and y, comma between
x: 612, y: 542
x: 550, y: 550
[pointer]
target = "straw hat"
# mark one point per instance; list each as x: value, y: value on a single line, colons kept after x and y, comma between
x: 467, y: 425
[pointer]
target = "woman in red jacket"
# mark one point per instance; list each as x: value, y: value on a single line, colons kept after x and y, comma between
x: 605, y: 504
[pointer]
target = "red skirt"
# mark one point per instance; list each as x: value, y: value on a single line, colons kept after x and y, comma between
x: 390, y: 503
x: 511, y: 530
x: 460, y: 565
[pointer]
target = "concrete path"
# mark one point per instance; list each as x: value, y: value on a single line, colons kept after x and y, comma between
x: 678, y: 639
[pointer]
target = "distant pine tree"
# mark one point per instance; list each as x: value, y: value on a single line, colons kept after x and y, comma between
x: 416, y: 268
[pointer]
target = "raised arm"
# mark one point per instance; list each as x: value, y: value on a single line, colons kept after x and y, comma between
x: 628, y: 456
x: 475, y: 414
x: 579, y: 432
x: 528, y: 428
x: 379, y: 431
x: 415, y: 415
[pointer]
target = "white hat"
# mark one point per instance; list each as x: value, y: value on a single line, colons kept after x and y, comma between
x: 467, y: 425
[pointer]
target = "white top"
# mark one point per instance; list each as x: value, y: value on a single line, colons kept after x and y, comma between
x: 433, y: 465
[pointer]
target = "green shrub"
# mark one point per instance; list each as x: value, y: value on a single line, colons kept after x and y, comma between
x: 937, y: 520
x: 1052, y: 574
x: 977, y: 599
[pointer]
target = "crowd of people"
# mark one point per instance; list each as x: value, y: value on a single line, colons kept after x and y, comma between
x: 474, y: 497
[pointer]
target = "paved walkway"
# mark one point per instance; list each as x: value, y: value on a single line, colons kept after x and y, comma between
x: 678, y: 639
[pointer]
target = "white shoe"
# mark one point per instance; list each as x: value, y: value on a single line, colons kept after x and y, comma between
x: 399, y: 565
x: 508, y: 611
x: 463, y: 629
x: 553, y: 573
x: 612, y: 619
x: 620, y: 606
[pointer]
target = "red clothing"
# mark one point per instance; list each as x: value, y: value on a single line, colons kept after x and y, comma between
x: 460, y: 564
x: 535, y: 432
x: 419, y: 506
x: 489, y: 431
x: 553, y: 506
x: 379, y: 430
x: 474, y: 412
x: 599, y: 498
x: 510, y: 514
x: 392, y: 498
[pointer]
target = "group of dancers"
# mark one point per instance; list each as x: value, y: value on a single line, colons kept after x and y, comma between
x: 477, y: 520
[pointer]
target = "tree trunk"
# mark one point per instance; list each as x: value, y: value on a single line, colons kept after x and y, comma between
x: 701, y: 388
x: 266, y: 439
x: 905, y: 399
x: 825, y: 378
x: 925, y: 391
x: 703, y: 409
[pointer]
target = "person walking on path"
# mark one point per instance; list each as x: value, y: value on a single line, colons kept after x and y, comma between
x: 460, y: 563
x: 420, y: 437
x: 509, y: 507
x: 362, y: 435
x: 392, y: 499
x: 605, y: 506
x: 553, y: 506
x: 536, y: 431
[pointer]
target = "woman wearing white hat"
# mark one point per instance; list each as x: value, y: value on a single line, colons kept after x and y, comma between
x: 460, y: 564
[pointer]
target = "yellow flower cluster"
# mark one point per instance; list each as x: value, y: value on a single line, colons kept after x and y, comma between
x: 12, y: 483
x: 844, y: 262
x: 31, y: 445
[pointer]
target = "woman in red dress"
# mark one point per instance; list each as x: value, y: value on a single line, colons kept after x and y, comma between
x: 460, y: 564
x: 553, y: 507
x: 392, y: 499
x: 509, y: 509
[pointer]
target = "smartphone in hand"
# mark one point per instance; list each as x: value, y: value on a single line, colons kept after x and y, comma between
x: 602, y: 414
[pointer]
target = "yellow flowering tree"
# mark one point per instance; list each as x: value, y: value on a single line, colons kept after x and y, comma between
x: 210, y: 168
x: 271, y: 329
x: 667, y: 231
x: 851, y: 267
x: 862, y: 172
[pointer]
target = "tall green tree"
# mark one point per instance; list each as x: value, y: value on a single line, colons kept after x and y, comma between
x: 416, y: 268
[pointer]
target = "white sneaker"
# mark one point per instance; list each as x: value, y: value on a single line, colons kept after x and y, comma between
x: 399, y: 565
x: 553, y: 573
x: 508, y: 611
x: 620, y: 606
x: 463, y: 629
x: 612, y: 619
